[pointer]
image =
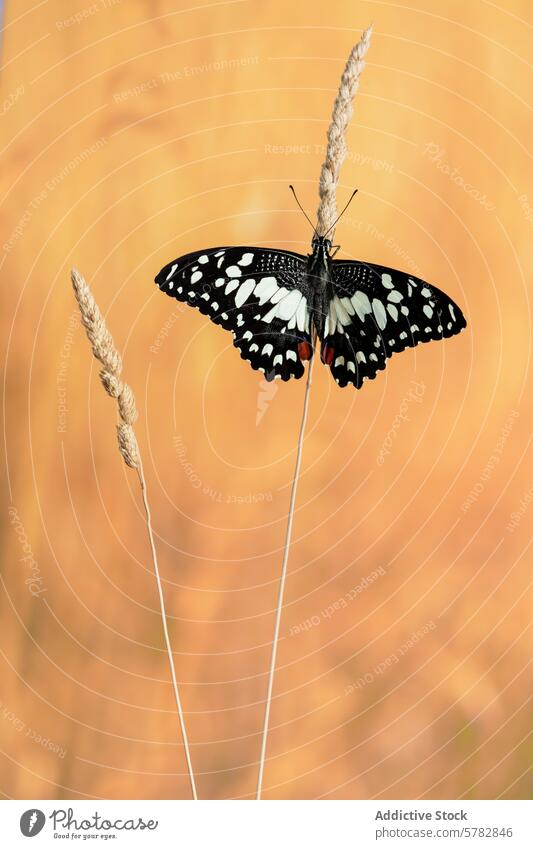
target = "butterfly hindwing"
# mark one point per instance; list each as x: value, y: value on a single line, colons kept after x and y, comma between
x: 257, y: 293
x: 377, y: 311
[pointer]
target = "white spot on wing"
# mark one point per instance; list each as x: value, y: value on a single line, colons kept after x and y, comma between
x: 203, y: 259
x: 379, y: 313
x: 266, y: 287
x: 386, y: 279
x: 361, y: 304
x: 196, y: 277
x: 277, y: 296
x: 245, y: 290
x: 343, y: 316
x: 288, y: 305
x: 233, y: 271
x: 395, y: 297
x: 246, y: 259
x: 302, y: 319
x: 171, y: 272
x: 348, y: 306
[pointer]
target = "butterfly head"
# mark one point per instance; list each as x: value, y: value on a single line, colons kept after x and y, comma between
x: 320, y: 243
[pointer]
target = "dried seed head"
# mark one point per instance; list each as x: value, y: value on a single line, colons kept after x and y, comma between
x: 104, y: 350
x: 336, y: 149
x: 111, y: 383
x: 126, y: 405
x: 127, y: 445
x: 94, y: 323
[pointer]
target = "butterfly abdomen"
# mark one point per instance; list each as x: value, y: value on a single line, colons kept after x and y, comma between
x: 319, y: 284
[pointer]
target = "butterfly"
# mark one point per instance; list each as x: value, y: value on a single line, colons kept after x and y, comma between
x: 276, y: 302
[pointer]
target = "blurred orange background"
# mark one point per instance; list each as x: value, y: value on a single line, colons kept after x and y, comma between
x: 134, y: 132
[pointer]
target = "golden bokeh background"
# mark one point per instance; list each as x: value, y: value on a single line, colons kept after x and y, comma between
x: 134, y: 132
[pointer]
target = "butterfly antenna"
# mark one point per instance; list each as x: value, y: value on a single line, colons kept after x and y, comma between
x: 343, y: 211
x: 301, y: 207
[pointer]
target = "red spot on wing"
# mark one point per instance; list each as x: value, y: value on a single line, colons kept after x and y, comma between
x: 304, y: 350
x: 327, y: 354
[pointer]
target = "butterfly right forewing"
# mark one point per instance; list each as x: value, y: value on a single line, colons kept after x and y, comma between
x: 377, y: 311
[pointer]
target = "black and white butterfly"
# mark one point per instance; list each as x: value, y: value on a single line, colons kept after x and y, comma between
x: 274, y: 302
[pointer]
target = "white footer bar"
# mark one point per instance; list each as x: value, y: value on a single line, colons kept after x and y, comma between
x: 268, y: 825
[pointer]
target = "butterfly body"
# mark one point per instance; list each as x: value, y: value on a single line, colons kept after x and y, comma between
x: 275, y: 301
x: 319, y: 282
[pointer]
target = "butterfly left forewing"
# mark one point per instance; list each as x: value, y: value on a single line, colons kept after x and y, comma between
x: 256, y: 293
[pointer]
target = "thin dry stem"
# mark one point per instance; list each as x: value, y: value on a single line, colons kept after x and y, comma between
x: 104, y: 350
x: 336, y: 148
x: 327, y: 214
x: 281, y: 590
